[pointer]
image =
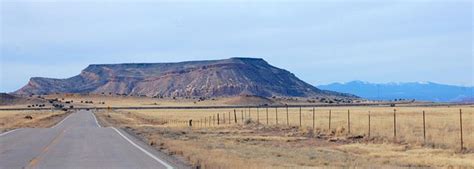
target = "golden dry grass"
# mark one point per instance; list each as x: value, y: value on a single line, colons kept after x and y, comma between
x: 442, y: 123
x: 262, y: 146
x: 41, y: 119
x: 133, y: 101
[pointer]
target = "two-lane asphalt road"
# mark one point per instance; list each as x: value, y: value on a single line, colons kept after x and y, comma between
x: 78, y: 142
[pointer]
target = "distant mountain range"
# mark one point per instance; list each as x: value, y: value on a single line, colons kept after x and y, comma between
x: 208, y: 78
x: 423, y: 91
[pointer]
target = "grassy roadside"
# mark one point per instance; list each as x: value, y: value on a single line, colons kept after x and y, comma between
x: 10, y: 120
x: 256, y: 146
x: 442, y: 123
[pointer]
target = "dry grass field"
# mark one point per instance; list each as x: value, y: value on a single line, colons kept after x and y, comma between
x: 442, y: 127
x: 249, y: 144
x: 39, y: 119
x: 135, y: 101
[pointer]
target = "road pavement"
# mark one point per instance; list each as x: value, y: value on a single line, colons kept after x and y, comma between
x: 78, y: 142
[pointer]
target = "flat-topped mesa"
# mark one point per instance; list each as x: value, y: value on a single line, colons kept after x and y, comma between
x: 208, y: 78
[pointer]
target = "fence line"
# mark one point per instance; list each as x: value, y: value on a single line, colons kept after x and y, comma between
x: 329, y: 119
x: 405, y: 126
x: 369, y: 126
x: 424, y: 128
x: 300, y: 116
x: 313, y: 118
x: 266, y: 109
x: 235, y: 116
x: 349, y: 121
x: 276, y: 115
x: 394, y: 124
x: 460, y: 127
x: 258, y: 116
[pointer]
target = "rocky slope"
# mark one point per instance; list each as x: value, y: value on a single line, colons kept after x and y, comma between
x: 228, y: 77
x: 7, y: 99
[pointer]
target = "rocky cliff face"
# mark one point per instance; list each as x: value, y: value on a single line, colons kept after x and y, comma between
x: 228, y: 77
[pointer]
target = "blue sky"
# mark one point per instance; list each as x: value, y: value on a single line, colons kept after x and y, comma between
x: 320, y: 41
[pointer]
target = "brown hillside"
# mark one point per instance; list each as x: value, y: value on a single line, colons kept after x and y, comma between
x: 7, y: 99
x: 228, y: 77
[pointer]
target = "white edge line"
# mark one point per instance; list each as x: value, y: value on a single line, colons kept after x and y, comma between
x: 96, y: 122
x: 143, y: 150
x: 5, y: 133
x: 61, y: 121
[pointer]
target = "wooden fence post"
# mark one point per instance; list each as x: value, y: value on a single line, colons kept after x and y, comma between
x: 235, y: 116
x: 223, y: 118
x: 300, y: 116
x: 424, y: 128
x: 218, y: 119
x: 266, y: 109
x: 394, y: 124
x: 250, y: 115
x: 287, y: 121
x: 369, y: 125
x: 205, y: 121
x: 258, y: 116
x: 460, y: 125
x: 349, y: 121
x: 191, y: 123
x: 329, y: 119
x: 210, y: 124
x: 229, y: 116
x: 313, y: 118
x: 276, y: 115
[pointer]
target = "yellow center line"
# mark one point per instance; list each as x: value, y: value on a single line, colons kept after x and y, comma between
x: 37, y: 159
